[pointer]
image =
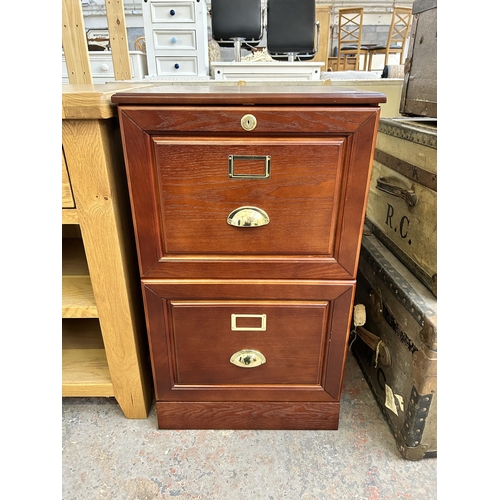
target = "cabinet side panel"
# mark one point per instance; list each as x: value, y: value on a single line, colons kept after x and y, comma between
x: 337, y: 347
x: 356, y: 193
x: 142, y: 188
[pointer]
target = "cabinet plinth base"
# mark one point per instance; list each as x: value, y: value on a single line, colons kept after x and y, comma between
x: 261, y: 415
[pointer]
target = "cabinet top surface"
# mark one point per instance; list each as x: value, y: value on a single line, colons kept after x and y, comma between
x: 247, y: 95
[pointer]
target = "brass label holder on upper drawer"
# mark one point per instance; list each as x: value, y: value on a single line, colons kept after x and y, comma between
x: 266, y: 171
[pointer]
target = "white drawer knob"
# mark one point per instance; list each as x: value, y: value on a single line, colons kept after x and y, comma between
x: 104, y: 67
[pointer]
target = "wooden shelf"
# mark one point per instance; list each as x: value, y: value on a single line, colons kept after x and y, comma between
x: 85, y: 369
x: 78, y: 298
x: 77, y: 295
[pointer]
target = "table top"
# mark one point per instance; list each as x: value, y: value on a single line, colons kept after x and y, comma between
x: 207, y: 94
x: 91, y: 101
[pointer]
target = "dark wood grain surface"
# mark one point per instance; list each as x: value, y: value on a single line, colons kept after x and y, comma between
x: 299, y: 270
x: 206, y: 94
x: 249, y: 415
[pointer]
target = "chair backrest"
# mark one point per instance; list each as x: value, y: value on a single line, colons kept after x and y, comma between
x: 400, y: 26
x: 350, y: 28
x: 291, y: 26
x: 236, y: 19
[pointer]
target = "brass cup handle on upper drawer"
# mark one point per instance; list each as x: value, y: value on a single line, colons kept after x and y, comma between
x: 248, y: 217
x: 407, y: 195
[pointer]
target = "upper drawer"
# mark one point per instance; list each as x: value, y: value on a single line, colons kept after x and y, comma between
x: 248, y: 191
x: 172, y: 12
x: 247, y: 197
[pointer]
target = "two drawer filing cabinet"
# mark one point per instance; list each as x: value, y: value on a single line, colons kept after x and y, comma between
x: 248, y: 204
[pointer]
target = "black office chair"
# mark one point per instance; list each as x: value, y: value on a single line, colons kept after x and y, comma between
x: 237, y: 22
x: 291, y: 26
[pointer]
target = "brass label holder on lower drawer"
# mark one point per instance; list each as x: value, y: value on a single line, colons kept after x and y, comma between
x: 236, y: 328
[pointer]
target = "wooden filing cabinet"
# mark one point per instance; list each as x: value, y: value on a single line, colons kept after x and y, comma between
x: 248, y: 206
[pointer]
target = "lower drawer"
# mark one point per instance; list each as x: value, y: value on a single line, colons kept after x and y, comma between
x: 254, y: 342
x: 249, y: 345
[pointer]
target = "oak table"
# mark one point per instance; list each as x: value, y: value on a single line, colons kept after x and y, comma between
x: 104, y: 342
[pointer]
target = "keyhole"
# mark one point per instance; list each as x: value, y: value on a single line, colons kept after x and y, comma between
x: 248, y: 122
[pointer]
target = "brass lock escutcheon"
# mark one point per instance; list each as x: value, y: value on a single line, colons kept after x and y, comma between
x: 248, y: 358
x: 248, y: 122
x: 248, y: 217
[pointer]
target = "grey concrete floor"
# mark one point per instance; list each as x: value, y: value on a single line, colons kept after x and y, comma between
x: 106, y: 456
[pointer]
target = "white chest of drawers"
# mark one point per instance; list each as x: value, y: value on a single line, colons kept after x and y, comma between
x: 176, y: 38
x: 101, y: 65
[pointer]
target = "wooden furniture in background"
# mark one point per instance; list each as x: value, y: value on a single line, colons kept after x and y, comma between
x: 349, y: 39
x: 74, y: 41
x: 398, y: 35
x: 101, y: 66
x: 248, y: 206
x: 419, y: 97
x: 349, y: 64
x: 323, y: 16
x: 103, y: 334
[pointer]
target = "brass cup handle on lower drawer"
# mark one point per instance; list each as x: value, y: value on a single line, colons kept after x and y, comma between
x: 248, y: 358
x: 407, y: 195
